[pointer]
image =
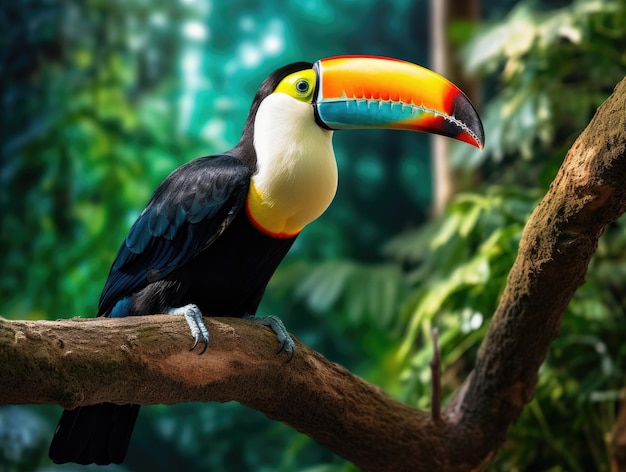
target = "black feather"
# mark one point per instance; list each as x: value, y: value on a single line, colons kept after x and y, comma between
x: 186, y: 212
x: 97, y: 434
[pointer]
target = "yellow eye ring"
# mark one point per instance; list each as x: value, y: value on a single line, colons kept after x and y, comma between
x: 299, y: 85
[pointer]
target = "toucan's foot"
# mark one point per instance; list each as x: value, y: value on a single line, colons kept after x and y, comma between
x: 193, y: 317
x: 286, y: 343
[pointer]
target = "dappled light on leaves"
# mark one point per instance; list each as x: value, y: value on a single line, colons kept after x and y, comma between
x: 105, y: 99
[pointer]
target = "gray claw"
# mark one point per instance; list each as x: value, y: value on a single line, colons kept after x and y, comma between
x: 193, y: 317
x: 284, y: 339
x: 196, y: 341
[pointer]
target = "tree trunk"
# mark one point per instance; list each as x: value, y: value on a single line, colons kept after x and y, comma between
x: 444, y: 60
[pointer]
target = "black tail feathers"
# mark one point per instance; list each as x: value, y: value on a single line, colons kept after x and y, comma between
x: 97, y: 434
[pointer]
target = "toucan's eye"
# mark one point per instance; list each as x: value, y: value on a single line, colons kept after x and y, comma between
x: 299, y: 85
x: 302, y: 86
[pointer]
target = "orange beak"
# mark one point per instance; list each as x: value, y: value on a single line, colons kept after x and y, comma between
x: 377, y: 92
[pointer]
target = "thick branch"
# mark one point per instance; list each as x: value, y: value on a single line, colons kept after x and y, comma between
x: 557, y: 244
x: 145, y: 360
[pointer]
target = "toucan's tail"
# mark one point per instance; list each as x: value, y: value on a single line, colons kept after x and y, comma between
x: 94, y: 434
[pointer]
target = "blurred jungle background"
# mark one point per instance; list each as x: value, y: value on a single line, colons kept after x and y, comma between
x: 102, y: 99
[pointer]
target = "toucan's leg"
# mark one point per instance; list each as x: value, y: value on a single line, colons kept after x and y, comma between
x: 286, y: 343
x: 193, y: 317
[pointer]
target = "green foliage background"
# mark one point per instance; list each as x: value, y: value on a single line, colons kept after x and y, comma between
x: 102, y: 99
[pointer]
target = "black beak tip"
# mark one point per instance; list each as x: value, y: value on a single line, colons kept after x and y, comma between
x: 465, y: 113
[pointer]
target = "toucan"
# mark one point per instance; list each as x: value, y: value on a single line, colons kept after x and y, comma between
x: 216, y: 228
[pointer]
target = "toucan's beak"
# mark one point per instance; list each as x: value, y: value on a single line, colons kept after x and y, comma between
x: 377, y: 92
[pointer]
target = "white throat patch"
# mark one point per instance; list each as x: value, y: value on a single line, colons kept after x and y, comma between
x: 296, y: 176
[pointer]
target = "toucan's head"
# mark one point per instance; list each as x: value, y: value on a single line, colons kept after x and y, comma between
x: 287, y: 137
x: 349, y: 92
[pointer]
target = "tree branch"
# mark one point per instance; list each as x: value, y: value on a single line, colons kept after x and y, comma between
x: 146, y: 359
x: 557, y: 244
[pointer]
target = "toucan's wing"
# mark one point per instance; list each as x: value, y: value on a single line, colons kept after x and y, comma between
x: 190, y: 208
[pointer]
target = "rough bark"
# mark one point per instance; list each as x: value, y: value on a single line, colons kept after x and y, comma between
x: 145, y: 359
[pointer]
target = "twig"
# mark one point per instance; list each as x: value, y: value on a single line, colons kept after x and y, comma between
x: 435, y: 369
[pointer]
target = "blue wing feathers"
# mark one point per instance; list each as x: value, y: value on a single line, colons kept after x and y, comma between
x: 190, y: 208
